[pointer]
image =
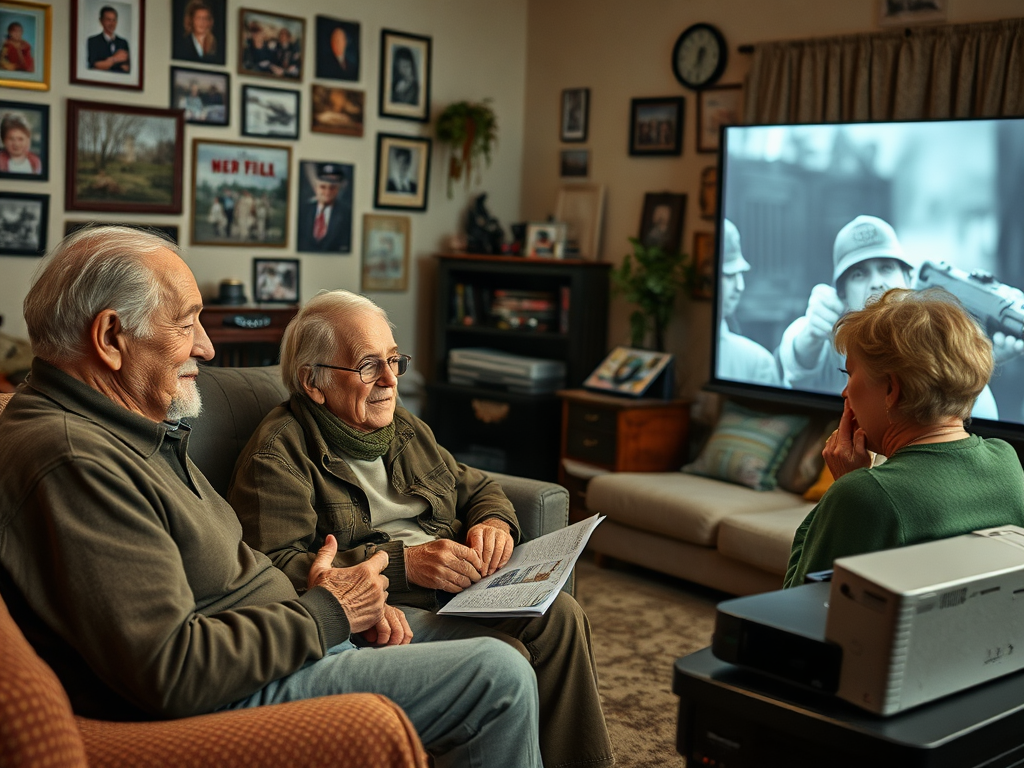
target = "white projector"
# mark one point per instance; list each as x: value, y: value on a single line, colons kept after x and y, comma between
x: 924, y: 621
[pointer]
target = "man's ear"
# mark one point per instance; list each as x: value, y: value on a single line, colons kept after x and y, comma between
x: 106, y: 337
x: 313, y: 393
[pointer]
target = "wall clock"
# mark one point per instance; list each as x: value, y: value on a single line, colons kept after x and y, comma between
x: 698, y: 59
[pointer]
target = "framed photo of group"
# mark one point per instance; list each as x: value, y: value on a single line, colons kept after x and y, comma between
x: 656, y: 126
x: 275, y: 281
x: 25, y: 141
x: 403, y: 172
x: 107, y: 43
x: 404, y: 76
x: 270, y: 44
x: 25, y: 53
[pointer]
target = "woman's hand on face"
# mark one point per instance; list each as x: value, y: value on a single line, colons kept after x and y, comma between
x: 845, y: 449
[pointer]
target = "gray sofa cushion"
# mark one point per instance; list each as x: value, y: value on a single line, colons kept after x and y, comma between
x: 762, y: 539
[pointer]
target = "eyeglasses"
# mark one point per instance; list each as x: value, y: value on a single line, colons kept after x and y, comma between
x: 372, y: 370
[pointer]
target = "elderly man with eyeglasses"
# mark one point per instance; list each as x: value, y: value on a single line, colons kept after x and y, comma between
x: 341, y: 458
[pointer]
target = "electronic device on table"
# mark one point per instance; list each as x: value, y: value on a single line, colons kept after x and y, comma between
x: 502, y: 370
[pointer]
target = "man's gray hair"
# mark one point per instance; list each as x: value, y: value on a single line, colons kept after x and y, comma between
x: 315, y: 333
x: 94, y: 269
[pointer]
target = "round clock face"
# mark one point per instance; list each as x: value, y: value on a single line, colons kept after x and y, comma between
x: 699, y: 56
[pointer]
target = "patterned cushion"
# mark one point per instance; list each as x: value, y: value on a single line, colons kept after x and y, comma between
x: 747, y: 447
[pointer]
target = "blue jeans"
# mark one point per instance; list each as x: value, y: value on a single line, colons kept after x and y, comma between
x: 473, y: 702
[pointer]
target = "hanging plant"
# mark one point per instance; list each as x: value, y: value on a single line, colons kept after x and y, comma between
x: 469, y: 130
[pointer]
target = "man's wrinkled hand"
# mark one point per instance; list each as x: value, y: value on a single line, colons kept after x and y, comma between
x: 492, y: 540
x: 392, y: 629
x: 361, y: 590
x: 443, y: 564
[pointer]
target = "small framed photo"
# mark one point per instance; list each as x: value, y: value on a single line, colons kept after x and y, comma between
x: 337, y: 110
x: 656, y: 126
x: 661, y: 224
x: 709, y: 192
x: 628, y: 371
x: 270, y: 112
x: 574, y: 164
x: 123, y: 159
x: 240, y: 193
x: 275, y: 281
x: 581, y: 208
x: 203, y: 94
x: 270, y: 45
x: 901, y: 13
x: 25, y: 141
x: 716, y: 107
x: 199, y: 31
x: 385, y: 252
x: 107, y: 38
x: 404, y: 76
x: 545, y: 240
x: 23, y: 222
x: 337, y: 49
x: 25, y: 55
x: 325, y: 207
x: 403, y: 172
x: 575, y: 111
x: 703, y: 261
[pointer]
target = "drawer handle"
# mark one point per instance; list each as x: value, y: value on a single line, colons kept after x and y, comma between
x: 591, y: 417
x: 590, y: 442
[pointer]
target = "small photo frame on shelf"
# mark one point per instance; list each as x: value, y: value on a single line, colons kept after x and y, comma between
x: 275, y: 281
x: 575, y: 114
x: 270, y: 44
x: 635, y: 373
x: 575, y: 163
x: 270, y: 113
x: 199, y: 31
x: 656, y: 126
x: 203, y: 94
x: 545, y: 240
x: 25, y: 30
x: 23, y: 223
x: 581, y: 208
x: 404, y: 76
x: 24, y: 141
x: 703, y: 260
x: 337, y: 49
x: 167, y: 231
x: 661, y: 224
x: 107, y: 42
x: 709, y: 193
x: 718, y: 106
x: 385, y: 252
x: 337, y: 110
x: 403, y: 172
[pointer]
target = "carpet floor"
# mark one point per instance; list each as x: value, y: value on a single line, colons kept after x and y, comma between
x: 642, y: 622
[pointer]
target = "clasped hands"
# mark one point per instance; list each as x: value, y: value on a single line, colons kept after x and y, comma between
x: 449, y: 566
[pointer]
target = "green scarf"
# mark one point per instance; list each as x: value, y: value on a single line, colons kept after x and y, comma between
x: 365, y: 446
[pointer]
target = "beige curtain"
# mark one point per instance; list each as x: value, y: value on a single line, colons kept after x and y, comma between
x: 965, y: 70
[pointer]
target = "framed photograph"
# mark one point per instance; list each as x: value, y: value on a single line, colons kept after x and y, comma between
x: 703, y: 260
x: 575, y: 111
x: 123, y: 159
x: 270, y: 45
x: 545, y: 240
x: 199, y: 31
x: 240, y: 193
x: 385, y: 252
x: 167, y: 231
x: 716, y: 107
x: 900, y: 13
x: 581, y: 208
x: 404, y: 76
x: 23, y: 222
x: 24, y: 141
x: 661, y: 224
x: 107, y: 38
x: 204, y: 95
x: 574, y: 164
x: 403, y: 172
x: 628, y: 371
x: 275, y: 281
x: 709, y: 192
x: 270, y: 112
x: 337, y: 110
x: 656, y: 126
x: 325, y: 207
x: 25, y: 52
x: 337, y: 49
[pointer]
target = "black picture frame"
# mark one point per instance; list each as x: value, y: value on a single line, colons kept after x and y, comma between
x: 400, y: 97
x: 575, y: 114
x: 656, y: 126
x: 24, y: 219
x: 337, y: 55
x: 275, y: 281
x: 88, y: 45
x: 388, y: 191
x: 256, y: 57
x: 574, y: 163
x: 270, y: 113
x: 35, y: 118
x: 317, y: 180
x: 210, y: 104
x: 212, y: 48
x: 661, y: 223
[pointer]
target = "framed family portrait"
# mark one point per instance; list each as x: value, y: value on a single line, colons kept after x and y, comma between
x: 656, y: 126
x: 25, y: 29
x: 403, y: 172
x: 199, y: 31
x: 661, y: 224
x: 581, y: 208
x: 240, y: 193
x: 24, y: 141
x: 325, y: 207
x: 337, y: 49
x: 270, y: 45
x: 575, y: 111
x: 404, y: 76
x: 23, y: 222
x: 574, y: 163
x: 107, y: 39
x: 385, y: 252
x: 545, y: 240
x: 167, y: 231
x: 337, y: 110
x: 275, y: 281
x: 270, y: 112
x: 628, y: 371
x: 205, y: 95
x: 716, y: 107
x: 123, y: 159
x: 703, y: 260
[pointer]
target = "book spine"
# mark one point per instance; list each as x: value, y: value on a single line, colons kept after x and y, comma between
x: 565, y: 295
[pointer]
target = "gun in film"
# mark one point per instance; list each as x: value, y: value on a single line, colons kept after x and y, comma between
x: 997, y: 306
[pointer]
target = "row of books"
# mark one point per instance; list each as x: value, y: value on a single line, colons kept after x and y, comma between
x: 509, y: 309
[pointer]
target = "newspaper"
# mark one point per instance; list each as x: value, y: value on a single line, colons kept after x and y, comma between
x: 529, y: 582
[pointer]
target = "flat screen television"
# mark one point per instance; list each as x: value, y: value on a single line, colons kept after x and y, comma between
x: 943, y: 201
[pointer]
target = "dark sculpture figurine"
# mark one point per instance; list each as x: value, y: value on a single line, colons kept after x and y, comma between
x: 483, y: 232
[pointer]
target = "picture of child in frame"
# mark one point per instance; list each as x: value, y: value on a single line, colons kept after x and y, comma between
x: 17, y: 156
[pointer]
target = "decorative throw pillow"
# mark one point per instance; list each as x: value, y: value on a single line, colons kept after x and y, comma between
x: 816, y: 491
x: 747, y: 447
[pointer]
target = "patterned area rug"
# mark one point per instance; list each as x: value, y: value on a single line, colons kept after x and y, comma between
x: 642, y: 622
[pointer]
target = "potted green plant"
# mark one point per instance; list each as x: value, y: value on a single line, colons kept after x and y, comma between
x: 469, y: 130
x: 650, y: 277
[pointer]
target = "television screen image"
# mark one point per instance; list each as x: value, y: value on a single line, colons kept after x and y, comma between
x: 833, y: 214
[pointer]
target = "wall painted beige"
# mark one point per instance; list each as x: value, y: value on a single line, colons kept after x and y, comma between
x: 622, y: 50
x: 479, y: 50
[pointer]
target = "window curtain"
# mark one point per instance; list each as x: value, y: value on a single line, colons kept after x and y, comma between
x: 964, y: 70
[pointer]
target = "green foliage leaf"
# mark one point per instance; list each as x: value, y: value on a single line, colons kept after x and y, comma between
x: 651, y: 278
